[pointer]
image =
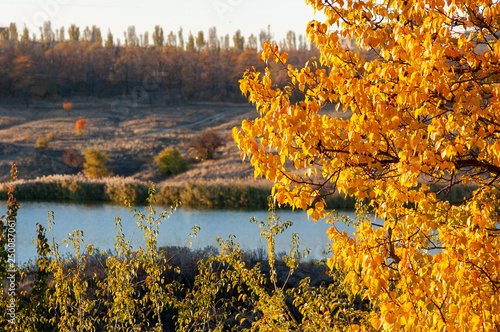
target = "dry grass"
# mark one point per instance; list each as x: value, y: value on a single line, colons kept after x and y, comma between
x: 130, y: 136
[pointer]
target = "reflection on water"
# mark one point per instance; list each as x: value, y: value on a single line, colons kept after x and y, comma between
x: 97, y: 223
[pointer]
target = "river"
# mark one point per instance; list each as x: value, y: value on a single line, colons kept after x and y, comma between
x: 97, y: 223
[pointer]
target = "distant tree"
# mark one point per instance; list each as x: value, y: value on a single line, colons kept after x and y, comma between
x: 302, y: 42
x: 74, y: 33
x: 96, y: 36
x: 42, y: 35
x: 61, y: 36
x: 213, y: 41
x: 158, y: 38
x: 145, y: 40
x: 4, y: 34
x: 252, y: 42
x: 109, y: 39
x: 22, y: 76
x: 226, y: 42
x: 95, y: 163
x: 238, y: 41
x: 80, y: 126
x: 41, y: 143
x: 13, y: 31
x: 200, y: 41
x: 72, y: 158
x: 87, y: 35
x: 26, y: 34
x: 47, y: 35
x: 291, y: 41
x: 190, y: 47
x: 265, y: 35
x: 205, y: 144
x: 170, y: 161
x: 131, y: 37
x: 68, y: 106
x: 181, y: 39
x: 172, y: 39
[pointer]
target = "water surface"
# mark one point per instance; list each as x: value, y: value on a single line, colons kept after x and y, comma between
x: 97, y: 221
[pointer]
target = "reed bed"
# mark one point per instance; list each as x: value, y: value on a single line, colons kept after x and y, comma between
x: 206, y: 194
x: 213, y: 194
x: 77, y: 188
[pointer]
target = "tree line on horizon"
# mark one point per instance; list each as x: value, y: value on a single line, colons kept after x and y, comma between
x: 170, y: 69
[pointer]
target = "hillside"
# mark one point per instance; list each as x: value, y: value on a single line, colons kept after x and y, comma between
x: 130, y: 135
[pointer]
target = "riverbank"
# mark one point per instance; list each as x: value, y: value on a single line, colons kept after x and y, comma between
x: 215, y: 194
x: 205, y: 194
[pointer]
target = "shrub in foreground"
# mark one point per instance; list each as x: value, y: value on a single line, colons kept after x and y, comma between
x: 141, y: 289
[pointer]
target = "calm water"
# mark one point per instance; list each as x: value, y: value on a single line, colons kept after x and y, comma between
x: 97, y: 223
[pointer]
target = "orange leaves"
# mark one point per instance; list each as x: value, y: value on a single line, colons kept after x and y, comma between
x: 272, y: 51
x: 68, y: 106
x: 80, y: 126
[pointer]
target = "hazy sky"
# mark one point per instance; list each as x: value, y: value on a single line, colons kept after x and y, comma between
x: 250, y: 16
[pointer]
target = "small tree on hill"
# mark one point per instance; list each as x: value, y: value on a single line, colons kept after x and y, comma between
x: 68, y: 107
x: 204, y: 144
x: 80, y: 126
x: 95, y: 163
x: 170, y: 161
x: 41, y: 143
x: 73, y: 158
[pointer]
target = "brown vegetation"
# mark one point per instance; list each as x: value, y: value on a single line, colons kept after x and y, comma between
x: 130, y: 137
x: 164, y: 74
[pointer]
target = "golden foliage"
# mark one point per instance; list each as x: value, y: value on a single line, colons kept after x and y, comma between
x: 95, y: 163
x: 423, y: 113
x: 41, y: 143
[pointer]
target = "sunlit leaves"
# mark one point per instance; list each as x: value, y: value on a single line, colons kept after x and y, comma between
x: 421, y: 99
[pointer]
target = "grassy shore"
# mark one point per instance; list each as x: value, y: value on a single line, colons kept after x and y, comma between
x: 211, y: 194
x: 206, y: 194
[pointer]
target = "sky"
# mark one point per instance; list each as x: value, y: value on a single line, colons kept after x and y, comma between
x: 249, y: 16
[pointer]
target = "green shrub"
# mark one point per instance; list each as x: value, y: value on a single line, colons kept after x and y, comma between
x: 51, y: 136
x: 95, y: 163
x: 170, y: 161
x: 41, y: 143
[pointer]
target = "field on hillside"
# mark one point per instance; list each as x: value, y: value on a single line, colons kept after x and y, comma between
x: 130, y: 135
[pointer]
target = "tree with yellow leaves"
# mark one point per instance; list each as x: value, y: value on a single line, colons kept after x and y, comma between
x: 422, y: 103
